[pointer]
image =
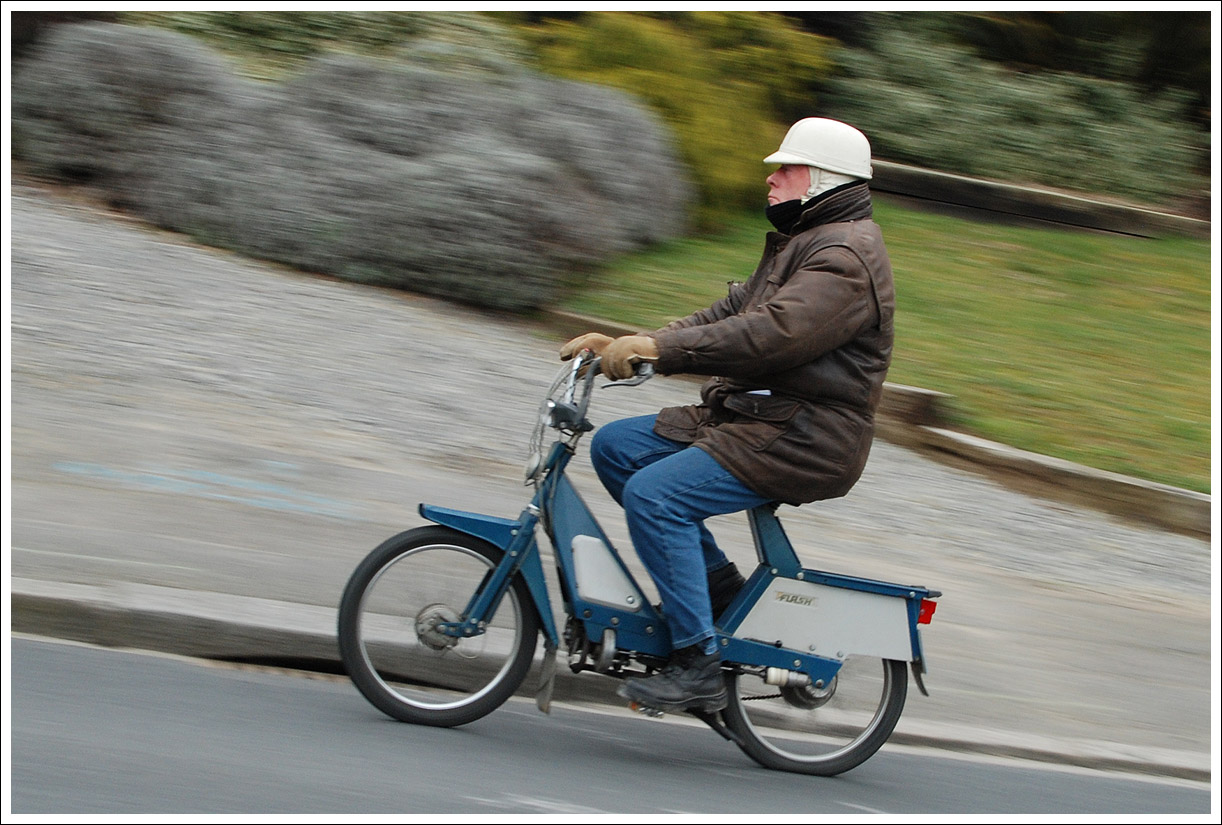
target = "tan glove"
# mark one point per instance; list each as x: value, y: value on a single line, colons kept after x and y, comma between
x: 593, y: 341
x: 621, y: 355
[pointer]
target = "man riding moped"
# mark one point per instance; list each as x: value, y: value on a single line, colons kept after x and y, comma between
x: 797, y: 357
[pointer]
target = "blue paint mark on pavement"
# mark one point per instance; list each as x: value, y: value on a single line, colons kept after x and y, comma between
x: 205, y: 484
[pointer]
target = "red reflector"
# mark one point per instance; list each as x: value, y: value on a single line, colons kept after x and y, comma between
x: 927, y: 609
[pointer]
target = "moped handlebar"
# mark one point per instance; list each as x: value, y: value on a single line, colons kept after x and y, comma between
x: 644, y: 371
x: 567, y: 410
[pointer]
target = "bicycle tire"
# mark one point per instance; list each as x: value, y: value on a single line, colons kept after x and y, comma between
x: 392, y: 650
x: 812, y: 732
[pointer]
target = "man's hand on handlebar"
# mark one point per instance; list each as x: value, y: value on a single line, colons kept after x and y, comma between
x: 595, y: 342
x: 620, y: 357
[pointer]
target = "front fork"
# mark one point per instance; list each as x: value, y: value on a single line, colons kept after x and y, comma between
x: 517, y: 539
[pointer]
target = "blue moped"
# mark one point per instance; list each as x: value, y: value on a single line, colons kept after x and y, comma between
x: 439, y: 624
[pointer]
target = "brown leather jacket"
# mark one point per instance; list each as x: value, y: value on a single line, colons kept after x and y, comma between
x: 813, y: 327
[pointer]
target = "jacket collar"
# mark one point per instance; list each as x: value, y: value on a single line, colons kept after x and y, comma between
x: 850, y: 202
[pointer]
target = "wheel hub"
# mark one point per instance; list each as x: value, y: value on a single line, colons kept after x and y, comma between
x: 428, y: 622
x: 808, y: 697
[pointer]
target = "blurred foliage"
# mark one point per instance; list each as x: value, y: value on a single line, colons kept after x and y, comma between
x: 928, y: 101
x: 1087, y: 347
x: 717, y: 79
x: 403, y: 172
x: 728, y: 84
x: 27, y: 28
x: 1155, y: 50
x: 1101, y: 102
x: 271, y: 45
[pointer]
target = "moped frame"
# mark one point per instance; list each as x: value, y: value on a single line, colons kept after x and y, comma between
x: 757, y: 630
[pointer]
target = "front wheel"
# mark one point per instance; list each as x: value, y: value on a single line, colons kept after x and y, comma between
x: 390, y: 635
x: 823, y: 731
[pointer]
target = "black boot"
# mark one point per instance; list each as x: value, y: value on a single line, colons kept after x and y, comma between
x: 691, y: 680
x: 724, y: 584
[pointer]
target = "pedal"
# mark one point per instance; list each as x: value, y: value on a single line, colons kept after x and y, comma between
x: 652, y: 713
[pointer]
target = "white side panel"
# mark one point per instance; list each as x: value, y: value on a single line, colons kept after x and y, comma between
x: 829, y: 621
x: 600, y: 578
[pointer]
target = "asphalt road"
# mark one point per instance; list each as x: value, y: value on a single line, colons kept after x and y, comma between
x: 99, y: 732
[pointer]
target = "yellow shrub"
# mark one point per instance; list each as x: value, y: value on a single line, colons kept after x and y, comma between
x: 727, y: 83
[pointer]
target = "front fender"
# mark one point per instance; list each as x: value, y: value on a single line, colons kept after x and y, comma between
x: 498, y: 531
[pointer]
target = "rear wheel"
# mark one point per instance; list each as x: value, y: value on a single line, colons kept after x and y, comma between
x: 818, y: 731
x: 390, y: 634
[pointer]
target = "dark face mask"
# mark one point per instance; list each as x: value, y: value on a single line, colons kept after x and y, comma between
x: 785, y: 214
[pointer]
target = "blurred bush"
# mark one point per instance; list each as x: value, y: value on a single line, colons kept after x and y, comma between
x: 28, y: 27
x: 1150, y: 50
x: 930, y: 102
x: 728, y: 83
x: 271, y: 45
x: 447, y: 170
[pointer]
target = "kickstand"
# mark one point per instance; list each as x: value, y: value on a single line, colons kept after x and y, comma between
x: 713, y: 720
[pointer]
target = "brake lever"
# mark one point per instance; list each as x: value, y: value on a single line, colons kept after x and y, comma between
x: 644, y: 371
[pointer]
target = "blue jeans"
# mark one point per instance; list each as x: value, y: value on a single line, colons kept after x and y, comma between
x: 667, y: 490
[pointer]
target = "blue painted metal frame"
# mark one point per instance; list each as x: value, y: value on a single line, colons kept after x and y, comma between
x: 517, y: 539
x: 641, y: 630
x: 564, y: 515
x: 778, y: 560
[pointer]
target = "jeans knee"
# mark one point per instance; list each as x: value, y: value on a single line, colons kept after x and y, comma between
x: 599, y: 445
x: 604, y: 457
x: 642, y: 499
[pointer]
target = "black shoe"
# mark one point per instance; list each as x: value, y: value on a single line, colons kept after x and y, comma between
x: 724, y: 584
x: 691, y: 680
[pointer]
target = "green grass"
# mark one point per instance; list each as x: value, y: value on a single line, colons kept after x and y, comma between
x: 1089, y: 347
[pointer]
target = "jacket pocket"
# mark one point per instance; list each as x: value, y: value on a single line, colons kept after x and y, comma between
x: 772, y: 284
x: 681, y: 424
x: 759, y: 420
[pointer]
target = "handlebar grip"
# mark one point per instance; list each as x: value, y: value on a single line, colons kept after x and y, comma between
x: 644, y: 371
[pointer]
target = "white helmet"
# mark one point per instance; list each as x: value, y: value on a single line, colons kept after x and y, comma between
x: 825, y: 144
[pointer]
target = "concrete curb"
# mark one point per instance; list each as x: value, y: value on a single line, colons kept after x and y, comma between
x: 225, y: 627
x: 1170, y: 508
x: 959, y: 195
x: 917, y: 419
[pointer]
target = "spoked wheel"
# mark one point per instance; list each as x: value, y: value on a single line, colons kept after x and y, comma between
x: 818, y: 731
x: 390, y: 637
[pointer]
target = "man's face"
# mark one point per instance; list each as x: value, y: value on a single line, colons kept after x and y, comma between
x: 788, y: 183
